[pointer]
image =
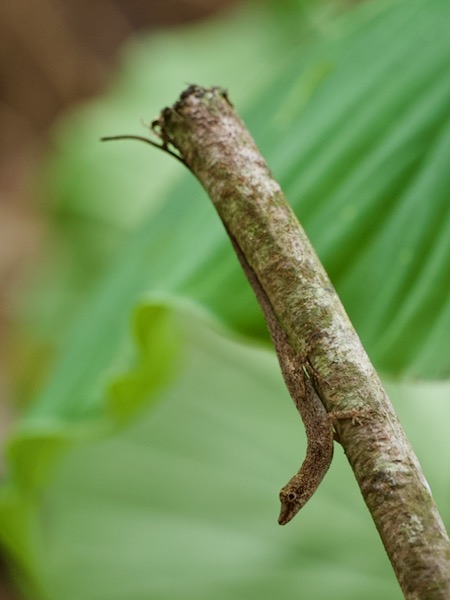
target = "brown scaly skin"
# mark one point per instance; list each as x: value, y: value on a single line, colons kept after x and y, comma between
x: 296, y: 493
x: 318, y: 425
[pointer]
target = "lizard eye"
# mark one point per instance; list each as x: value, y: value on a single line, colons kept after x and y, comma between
x: 292, y: 496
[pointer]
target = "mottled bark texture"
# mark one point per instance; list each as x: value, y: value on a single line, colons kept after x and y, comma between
x: 204, y: 129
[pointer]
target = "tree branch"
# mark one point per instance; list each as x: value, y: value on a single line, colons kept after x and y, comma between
x: 302, y: 307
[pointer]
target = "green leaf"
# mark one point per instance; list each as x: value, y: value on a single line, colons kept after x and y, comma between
x: 183, y: 500
x: 149, y: 464
x: 357, y: 132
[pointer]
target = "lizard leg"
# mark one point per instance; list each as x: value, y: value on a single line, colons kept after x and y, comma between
x: 357, y: 416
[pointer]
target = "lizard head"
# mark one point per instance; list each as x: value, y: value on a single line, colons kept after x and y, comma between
x: 293, y: 497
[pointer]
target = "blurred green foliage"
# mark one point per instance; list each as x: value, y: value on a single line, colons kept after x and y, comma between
x: 149, y: 464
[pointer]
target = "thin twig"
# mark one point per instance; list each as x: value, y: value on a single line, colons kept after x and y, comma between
x: 161, y: 146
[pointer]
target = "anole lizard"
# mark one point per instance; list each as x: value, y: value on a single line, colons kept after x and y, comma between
x: 318, y: 423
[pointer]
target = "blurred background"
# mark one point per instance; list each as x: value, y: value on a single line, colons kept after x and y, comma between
x: 72, y: 71
x: 54, y: 55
